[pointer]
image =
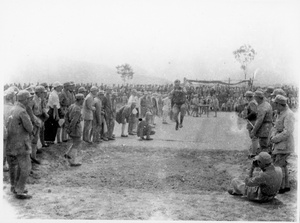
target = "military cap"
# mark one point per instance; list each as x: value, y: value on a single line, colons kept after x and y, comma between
x: 177, y: 81
x: 94, y: 88
x: 81, y: 89
x: 264, y: 158
x: 66, y: 84
x: 56, y: 84
x: 249, y: 94
x: 72, y: 83
x: 109, y: 88
x: 134, y: 91
x: 101, y: 92
x: 79, y: 96
x: 44, y: 84
x: 23, y: 95
x: 11, y: 91
x: 278, y: 91
x: 259, y: 94
x: 115, y: 93
x: 270, y: 89
x: 280, y: 99
x: 40, y: 89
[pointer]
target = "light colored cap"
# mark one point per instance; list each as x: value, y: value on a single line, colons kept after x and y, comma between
x: 56, y: 84
x: 280, y: 99
x: 264, y: 158
x: 23, y: 95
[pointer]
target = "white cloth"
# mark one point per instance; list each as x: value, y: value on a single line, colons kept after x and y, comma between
x: 53, y: 99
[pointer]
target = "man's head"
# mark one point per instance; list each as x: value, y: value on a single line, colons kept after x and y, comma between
x: 40, y: 90
x: 249, y: 95
x: 10, y: 94
x: 262, y: 160
x: 269, y: 91
x: 24, y: 97
x: 278, y: 91
x: 109, y: 90
x: 57, y: 86
x: 101, y: 94
x: 177, y: 83
x: 82, y: 90
x: 258, y: 96
x: 79, y: 98
x: 134, y: 92
x: 280, y: 102
x: 94, y: 90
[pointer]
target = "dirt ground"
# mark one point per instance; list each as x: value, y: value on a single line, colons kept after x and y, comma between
x: 180, y: 175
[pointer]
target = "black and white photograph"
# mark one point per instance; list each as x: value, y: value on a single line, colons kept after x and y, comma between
x: 150, y: 110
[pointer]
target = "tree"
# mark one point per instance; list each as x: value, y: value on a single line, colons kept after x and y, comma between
x: 244, y: 55
x: 126, y: 71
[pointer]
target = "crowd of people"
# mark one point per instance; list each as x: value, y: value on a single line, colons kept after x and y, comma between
x: 54, y: 114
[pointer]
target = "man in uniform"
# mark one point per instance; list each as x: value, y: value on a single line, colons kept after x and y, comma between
x: 261, y: 188
x: 178, y: 99
x: 109, y: 114
x: 19, y: 145
x: 98, y: 118
x: 145, y: 128
x: 73, y: 126
x: 39, y: 113
x: 268, y: 93
x: 263, y: 123
x: 250, y: 116
x: 87, y: 111
x: 282, y: 138
x: 9, y: 101
x: 66, y: 98
x: 34, y: 108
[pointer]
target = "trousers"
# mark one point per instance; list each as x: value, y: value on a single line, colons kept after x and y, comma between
x: 19, y: 169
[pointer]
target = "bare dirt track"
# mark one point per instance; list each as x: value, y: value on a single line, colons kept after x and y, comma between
x: 181, y: 175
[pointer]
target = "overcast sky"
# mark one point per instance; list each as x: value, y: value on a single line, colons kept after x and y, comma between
x: 171, y: 39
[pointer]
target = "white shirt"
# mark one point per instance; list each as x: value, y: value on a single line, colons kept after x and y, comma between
x: 53, y: 99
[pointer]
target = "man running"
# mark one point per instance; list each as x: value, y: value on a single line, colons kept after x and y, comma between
x: 178, y: 99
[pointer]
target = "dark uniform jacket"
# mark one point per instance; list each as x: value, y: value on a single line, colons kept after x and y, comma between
x: 263, y: 123
x: 19, y: 130
x: 73, y: 121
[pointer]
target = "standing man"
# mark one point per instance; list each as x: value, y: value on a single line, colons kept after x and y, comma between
x: 109, y: 116
x: 9, y: 101
x: 51, y: 123
x: 39, y: 113
x: 178, y: 95
x: 98, y: 118
x: 87, y: 112
x: 19, y: 145
x: 73, y: 126
x: 250, y: 115
x: 263, y: 123
x: 282, y: 138
x: 215, y: 104
x: 132, y: 122
x: 67, y: 98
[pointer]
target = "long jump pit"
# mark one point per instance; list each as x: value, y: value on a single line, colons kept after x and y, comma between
x: 180, y: 175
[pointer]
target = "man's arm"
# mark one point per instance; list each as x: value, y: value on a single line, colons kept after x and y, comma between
x: 255, y: 181
x: 27, y: 124
x: 259, y: 120
x: 287, y: 131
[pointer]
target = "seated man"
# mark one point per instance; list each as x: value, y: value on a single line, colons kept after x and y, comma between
x: 263, y: 187
x: 144, y: 128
